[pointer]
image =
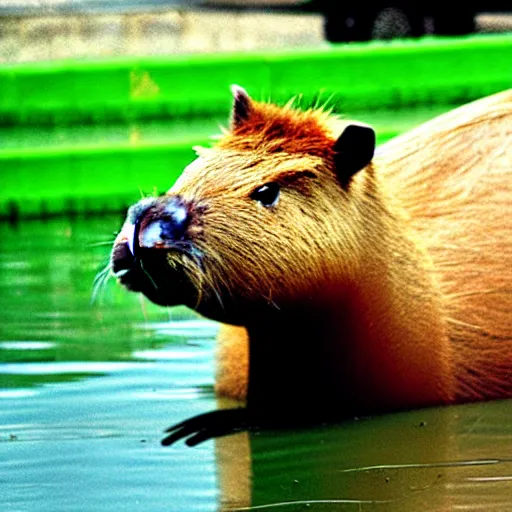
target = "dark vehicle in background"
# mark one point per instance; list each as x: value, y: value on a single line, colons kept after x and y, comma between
x: 386, y: 20
x: 344, y: 20
x: 353, y: 20
x: 361, y: 21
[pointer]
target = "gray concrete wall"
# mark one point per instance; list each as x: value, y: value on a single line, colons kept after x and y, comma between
x: 45, y: 37
x: 32, y: 38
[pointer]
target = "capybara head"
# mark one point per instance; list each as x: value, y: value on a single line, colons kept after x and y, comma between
x: 263, y: 219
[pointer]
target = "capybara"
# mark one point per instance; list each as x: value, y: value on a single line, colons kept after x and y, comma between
x: 348, y: 281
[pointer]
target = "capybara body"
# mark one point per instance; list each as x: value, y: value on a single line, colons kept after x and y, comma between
x: 346, y: 282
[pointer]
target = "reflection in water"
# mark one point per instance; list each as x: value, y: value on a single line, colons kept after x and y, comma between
x: 82, y: 402
x: 87, y: 390
x: 439, y: 459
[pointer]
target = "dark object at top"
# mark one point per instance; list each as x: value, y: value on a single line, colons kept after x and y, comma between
x: 343, y: 21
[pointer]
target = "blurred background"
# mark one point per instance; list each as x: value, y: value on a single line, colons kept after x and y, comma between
x: 51, y: 29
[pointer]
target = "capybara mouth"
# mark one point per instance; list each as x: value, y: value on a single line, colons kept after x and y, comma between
x: 125, y: 266
x: 153, y: 235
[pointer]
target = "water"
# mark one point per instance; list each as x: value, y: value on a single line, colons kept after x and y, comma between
x: 87, y: 390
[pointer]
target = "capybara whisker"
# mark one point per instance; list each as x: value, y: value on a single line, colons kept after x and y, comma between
x: 100, y: 280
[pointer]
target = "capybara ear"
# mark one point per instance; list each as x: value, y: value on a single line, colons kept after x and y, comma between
x: 242, y: 106
x: 353, y: 151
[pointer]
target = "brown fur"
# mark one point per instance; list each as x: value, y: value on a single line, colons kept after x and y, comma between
x: 276, y: 130
x: 453, y: 179
x: 394, y: 291
x: 458, y: 194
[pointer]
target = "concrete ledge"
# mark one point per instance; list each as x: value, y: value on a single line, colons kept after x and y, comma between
x: 33, y: 38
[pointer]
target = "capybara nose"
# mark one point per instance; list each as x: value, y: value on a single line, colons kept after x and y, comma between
x: 152, y: 223
x: 159, y: 223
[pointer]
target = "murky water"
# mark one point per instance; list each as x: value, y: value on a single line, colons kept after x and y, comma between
x: 87, y: 390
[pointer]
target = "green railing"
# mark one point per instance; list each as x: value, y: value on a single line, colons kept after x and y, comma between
x: 47, y: 172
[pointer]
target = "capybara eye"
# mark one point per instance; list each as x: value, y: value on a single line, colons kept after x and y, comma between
x: 267, y: 194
